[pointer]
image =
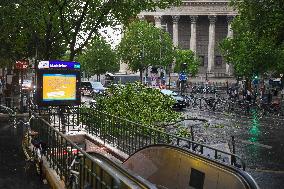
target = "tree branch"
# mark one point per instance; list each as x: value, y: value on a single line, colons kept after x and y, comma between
x: 105, y: 9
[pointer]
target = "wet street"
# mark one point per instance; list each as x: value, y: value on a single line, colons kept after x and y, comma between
x: 258, y: 140
x: 15, y: 173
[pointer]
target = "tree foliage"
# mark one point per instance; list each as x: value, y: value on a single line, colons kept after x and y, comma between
x: 81, y: 20
x: 99, y: 58
x: 188, y: 57
x: 144, y: 45
x: 49, y: 27
x: 258, y: 42
x: 139, y: 104
x: 29, y: 29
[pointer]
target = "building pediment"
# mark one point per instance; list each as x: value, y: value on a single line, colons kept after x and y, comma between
x: 197, y: 7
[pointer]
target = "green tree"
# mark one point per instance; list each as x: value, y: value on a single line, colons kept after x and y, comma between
x: 81, y: 20
x: 30, y: 28
x: 258, y: 43
x: 139, y: 104
x: 186, y: 57
x: 144, y: 45
x: 99, y: 58
x: 47, y: 26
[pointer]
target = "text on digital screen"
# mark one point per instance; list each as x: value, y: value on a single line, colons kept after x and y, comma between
x: 59, y: 87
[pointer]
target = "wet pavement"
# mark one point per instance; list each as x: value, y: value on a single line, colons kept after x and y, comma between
x: 258, y: 140
x: 15, y: 173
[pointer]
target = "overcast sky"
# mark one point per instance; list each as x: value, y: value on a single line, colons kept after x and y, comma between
x: 112, y: 35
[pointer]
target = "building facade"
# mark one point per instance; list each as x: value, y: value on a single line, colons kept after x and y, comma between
x: 199, y: 25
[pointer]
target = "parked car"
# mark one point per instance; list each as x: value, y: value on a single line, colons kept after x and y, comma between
x: 180, y: 101
x: 98, y: 88
x: 92, y: 88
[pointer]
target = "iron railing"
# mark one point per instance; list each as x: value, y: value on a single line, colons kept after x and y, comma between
x: 129, y: 137
x: 95, y: 171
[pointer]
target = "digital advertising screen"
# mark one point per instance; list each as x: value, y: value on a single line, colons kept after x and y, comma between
x: 58, y: 86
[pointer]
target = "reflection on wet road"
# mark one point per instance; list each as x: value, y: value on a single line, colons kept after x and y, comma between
x: 15, y: 173
x: 259, y: 141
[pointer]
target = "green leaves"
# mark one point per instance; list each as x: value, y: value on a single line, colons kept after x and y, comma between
x: 145, y: 45
x: 257, y: 45
x: 187, y: 57
x: 49, y: 28
x: 99, y: 58
x: 138, y: 103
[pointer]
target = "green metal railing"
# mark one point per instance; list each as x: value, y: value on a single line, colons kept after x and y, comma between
x: 95, y: 171
x: 128, y: 136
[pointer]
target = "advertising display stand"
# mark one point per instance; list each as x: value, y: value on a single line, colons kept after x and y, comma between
x: 58, y: 86
x: 58, y: 83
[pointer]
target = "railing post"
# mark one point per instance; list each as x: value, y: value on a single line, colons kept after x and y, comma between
x: 233, y: 159
x: 192, y: 133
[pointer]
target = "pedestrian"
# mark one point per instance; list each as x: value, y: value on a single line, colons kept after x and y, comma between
x: 248, y: 97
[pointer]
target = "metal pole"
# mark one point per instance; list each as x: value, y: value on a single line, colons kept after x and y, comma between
x: 192, y: 133
x: 233, y: 150
x: 21, y: 91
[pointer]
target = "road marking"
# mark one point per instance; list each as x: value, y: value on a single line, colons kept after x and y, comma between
x: 255, y: 143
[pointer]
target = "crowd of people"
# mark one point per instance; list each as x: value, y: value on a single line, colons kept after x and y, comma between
x: 262, y: 93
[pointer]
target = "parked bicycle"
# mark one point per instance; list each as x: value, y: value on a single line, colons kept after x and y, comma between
x: 32, y: 146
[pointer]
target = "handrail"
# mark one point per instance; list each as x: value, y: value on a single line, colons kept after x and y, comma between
x: 58, y: 143
x: 100, y: 130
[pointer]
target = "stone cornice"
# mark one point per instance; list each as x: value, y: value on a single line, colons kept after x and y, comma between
x: 197, y: 7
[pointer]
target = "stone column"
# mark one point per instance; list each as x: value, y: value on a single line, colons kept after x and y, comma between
x: 175, y: 30
x: 141, y: 17
x: 158, y: 21
x: 229, y: 35
x: 193, y: 20
x: 211, y: 44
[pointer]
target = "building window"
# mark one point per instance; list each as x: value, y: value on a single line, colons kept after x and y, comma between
x: 218, y: 61
x: 201, y: 58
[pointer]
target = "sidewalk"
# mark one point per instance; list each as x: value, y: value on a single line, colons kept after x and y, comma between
x: 15, y: 172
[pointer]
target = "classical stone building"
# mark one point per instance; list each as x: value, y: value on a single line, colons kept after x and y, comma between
x: 199, y: 25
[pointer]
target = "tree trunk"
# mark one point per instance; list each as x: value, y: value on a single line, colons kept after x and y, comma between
x: 141, y: 75
x: 72, y: 55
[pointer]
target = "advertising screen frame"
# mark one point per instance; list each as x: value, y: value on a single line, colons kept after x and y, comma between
x: 40, y: 87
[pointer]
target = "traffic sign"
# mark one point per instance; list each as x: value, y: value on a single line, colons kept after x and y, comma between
x: 22, y: 64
